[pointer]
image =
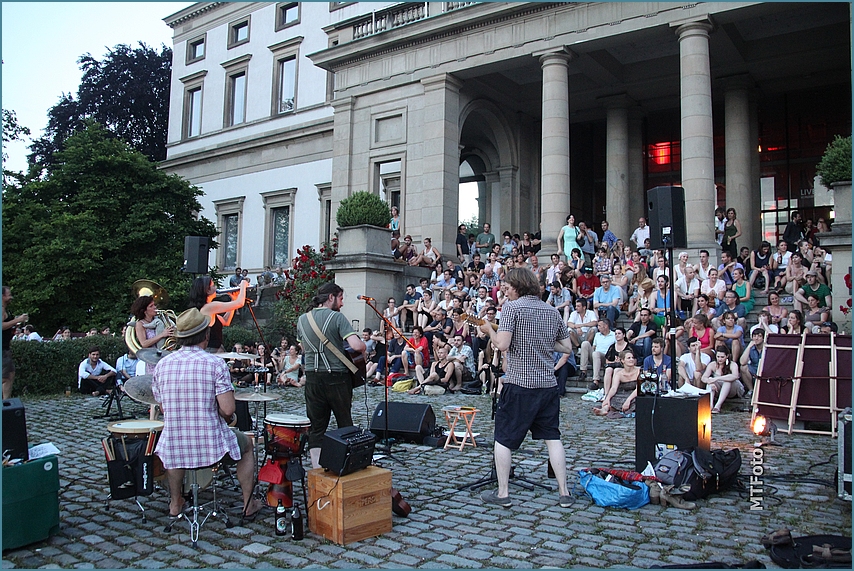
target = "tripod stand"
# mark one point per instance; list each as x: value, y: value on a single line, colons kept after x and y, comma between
x: 115, y: 397
x: 492, y: 478
x: 384, y: 446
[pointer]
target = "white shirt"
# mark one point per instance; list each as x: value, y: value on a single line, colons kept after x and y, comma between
x: 640, y: 235
x: 721, y: 226
x: 34, y: 337
x: 690, y: 367
x: 703, y: 273
x: 687, y: 288
x: 781, y: 264
x: 577, y: 319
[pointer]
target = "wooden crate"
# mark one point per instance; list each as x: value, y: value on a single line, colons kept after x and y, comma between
x: 349, y: 508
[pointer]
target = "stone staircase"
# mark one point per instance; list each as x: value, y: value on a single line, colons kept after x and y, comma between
x: 573, y: 384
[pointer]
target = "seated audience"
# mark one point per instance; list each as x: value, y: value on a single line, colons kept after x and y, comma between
x: 730, y: 334
x: 749, y: 361
x: 607, y: 300
x: 693, y: 364
x: 658, y: 361
x: 596, y: 350
x: 720, y: 376
x: 94, y: 376
x: 620, y: 399
x: 814, y: 287
x: 581, y: 323
x: 642, y: 332
x: 763, y: 264
x: 441, y: 373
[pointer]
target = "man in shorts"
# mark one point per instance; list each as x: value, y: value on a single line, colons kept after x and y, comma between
x: 529, y: 331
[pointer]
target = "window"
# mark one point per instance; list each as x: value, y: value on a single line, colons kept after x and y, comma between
x: 195, y: 50
x: 192, y: 112
x: 238, y: 33
x: 388, y: 179
x: 285, y: 55
x: 229, y: 217
x: 279, y: 205
x: 236, y: 71
x: 287, y: 74
x: 324, y: 195
x: 287, y: 14
x: 236, y: 99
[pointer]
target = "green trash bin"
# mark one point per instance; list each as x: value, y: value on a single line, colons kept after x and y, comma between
x: 30, y: 502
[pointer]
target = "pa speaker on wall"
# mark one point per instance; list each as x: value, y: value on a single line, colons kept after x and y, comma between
x: 666, y: 208
x: 196, y: 254
x: 406, y: 421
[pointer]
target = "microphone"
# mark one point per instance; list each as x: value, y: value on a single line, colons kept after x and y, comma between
x: 365, y: 298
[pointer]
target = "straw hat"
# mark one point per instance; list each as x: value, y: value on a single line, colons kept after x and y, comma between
x: 190, y: 323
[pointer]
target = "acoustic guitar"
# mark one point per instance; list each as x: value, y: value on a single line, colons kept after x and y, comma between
x: 398, y: 505
x: 359, y: 376
x: 475, y: 320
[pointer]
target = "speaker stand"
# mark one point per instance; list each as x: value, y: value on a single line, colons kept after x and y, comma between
x: 515, y: 480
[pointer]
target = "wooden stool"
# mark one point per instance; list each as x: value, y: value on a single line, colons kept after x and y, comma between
x: 454, y: 414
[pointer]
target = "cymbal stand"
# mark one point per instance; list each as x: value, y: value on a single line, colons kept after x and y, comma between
x: 115, y: 397
x: 492, y: 478
x: 384, y: 446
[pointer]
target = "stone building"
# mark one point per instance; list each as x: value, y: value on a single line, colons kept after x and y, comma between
x: 280, y: 110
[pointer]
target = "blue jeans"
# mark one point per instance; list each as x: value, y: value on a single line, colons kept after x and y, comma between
x: 644, y: 346
x: 612, y: 313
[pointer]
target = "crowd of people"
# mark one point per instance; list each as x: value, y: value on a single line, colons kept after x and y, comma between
x: 595, y: 279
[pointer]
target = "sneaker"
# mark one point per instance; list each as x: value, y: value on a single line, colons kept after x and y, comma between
x: 565, y: 501
x: 748, y: 395
x: 592, y: 386
x: 492, y: 498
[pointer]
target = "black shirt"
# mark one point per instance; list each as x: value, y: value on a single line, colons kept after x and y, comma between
x: 463, y: 243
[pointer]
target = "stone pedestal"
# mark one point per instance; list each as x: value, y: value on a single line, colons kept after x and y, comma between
x: 838, y: 240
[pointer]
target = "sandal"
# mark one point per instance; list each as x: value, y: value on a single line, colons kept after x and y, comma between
x: 780, y: 537
x: 716, y: 410
x: 822, y: 555
x: 249, y: 518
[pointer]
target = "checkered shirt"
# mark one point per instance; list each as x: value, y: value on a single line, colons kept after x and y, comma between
x: 186, y: 384
x: 536, y: 327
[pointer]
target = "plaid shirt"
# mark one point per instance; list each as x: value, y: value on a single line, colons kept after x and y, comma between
x: 536, y: 327
x: 186, y: 384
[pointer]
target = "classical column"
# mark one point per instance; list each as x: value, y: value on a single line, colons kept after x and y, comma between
x: 698, y: 162
x: 617, y: 165
x: 739, y: 150
x: 554, y: 188
x: 439, y: 179
x: 637, y: 205
x: 342, y: 147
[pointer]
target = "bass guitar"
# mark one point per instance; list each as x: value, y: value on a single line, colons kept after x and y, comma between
x: 398, y: 505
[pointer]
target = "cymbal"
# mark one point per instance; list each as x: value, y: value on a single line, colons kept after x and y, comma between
x: 151, y: 355
x: 256, y: 397
x: 232, y: 355
x: 139, y: 389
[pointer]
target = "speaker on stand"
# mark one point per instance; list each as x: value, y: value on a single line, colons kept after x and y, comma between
x: 196, y: 250
x: 666, y: 208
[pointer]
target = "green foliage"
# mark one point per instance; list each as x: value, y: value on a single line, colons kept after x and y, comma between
x: 363, y: 208
x: 308, y: 272
x: 48, y: 368
x: 104, y: 217
x: 472, y: 225
x: 238, y: 334
x: 12, y: 131
x: 127, y: 92
x: 835, y: 164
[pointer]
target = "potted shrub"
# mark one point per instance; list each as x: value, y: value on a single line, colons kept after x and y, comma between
x: 834, y: 170
x: 363, y: 220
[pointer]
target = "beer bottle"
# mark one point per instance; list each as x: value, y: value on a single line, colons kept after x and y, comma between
x: 281, y: 519
x: 296, y: 521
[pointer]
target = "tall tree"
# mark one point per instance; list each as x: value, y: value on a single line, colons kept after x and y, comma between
x: 103, y: 217
x: 12, y: 131
x: 127, y: 92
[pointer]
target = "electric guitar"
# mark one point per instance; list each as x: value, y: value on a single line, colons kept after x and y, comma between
x: 475, y: 320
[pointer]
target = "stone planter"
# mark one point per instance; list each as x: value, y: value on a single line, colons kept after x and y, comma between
x: 838, y: 241
x: 364, y: 239
x: 842, y: 201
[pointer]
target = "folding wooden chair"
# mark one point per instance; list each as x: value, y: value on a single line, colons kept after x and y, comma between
x: 772, y: 395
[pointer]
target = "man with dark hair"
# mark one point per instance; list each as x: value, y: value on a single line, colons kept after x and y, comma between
x: 793, y: 233
x: 462, y: 245
x: 485, y: 240
x: 642, y: 332
x: 235, y: 280
x: 530, y: 331
x: 657, y: 361
x: 195, y: 393
x: 94, y: 375
x: 328, y: 387
x: 749, y: 360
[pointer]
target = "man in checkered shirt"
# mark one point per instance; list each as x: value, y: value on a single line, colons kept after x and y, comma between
x: 195, y: 393
x: 530, y: 331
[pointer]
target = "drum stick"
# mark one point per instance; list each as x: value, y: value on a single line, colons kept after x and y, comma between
x: 149, y: 447
x: 124, y: 445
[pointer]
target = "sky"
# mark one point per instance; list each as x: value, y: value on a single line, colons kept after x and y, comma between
x: 41, y: 42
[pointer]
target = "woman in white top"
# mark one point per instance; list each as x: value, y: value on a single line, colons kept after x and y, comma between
x: 713, y: 287
x: 447, y: 302
x: 720, y: 376
x: 661, y: 269
x: 291, y: 375
x: 679, y: 270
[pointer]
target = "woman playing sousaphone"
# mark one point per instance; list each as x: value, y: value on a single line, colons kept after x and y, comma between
x: 202, y: 294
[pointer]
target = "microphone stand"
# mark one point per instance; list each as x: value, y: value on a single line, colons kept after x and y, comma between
x: 384, y: 447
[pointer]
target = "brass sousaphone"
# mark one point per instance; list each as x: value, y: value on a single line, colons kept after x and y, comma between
x: 165, y: 317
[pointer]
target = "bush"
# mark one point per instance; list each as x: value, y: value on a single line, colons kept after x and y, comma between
x: 238, y: 334
x: 835, y: 164
x: 48, y: 368
x: 363, y: 208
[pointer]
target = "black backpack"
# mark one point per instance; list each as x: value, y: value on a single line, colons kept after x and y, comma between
x: 703, y: 472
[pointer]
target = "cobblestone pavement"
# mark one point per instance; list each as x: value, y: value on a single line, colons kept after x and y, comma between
x: 447, y: 528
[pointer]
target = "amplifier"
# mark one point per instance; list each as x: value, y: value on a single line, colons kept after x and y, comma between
x: 347, y: 450
x: 665, y: 423
x: 844, y: 456
x: 15, y: 430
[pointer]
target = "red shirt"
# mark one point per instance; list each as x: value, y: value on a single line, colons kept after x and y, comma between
x: 587, y: 285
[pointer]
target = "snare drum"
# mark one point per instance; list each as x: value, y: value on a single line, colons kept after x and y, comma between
x: 139, y: 429
x: 283, y: 434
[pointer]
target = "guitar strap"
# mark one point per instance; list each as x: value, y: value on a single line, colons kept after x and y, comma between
x: 323, y: 339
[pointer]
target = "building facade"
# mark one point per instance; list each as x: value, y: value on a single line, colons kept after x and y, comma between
x: 280, y: 110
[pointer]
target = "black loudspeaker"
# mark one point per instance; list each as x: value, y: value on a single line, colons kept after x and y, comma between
x: 15, y: 430
x: 843, y: 458
x: 410, y: 422
x: 244, y: 418
x: 662, y: 424
x: 666, y: 208
x: 196, y: 250
x: 347, y: 450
